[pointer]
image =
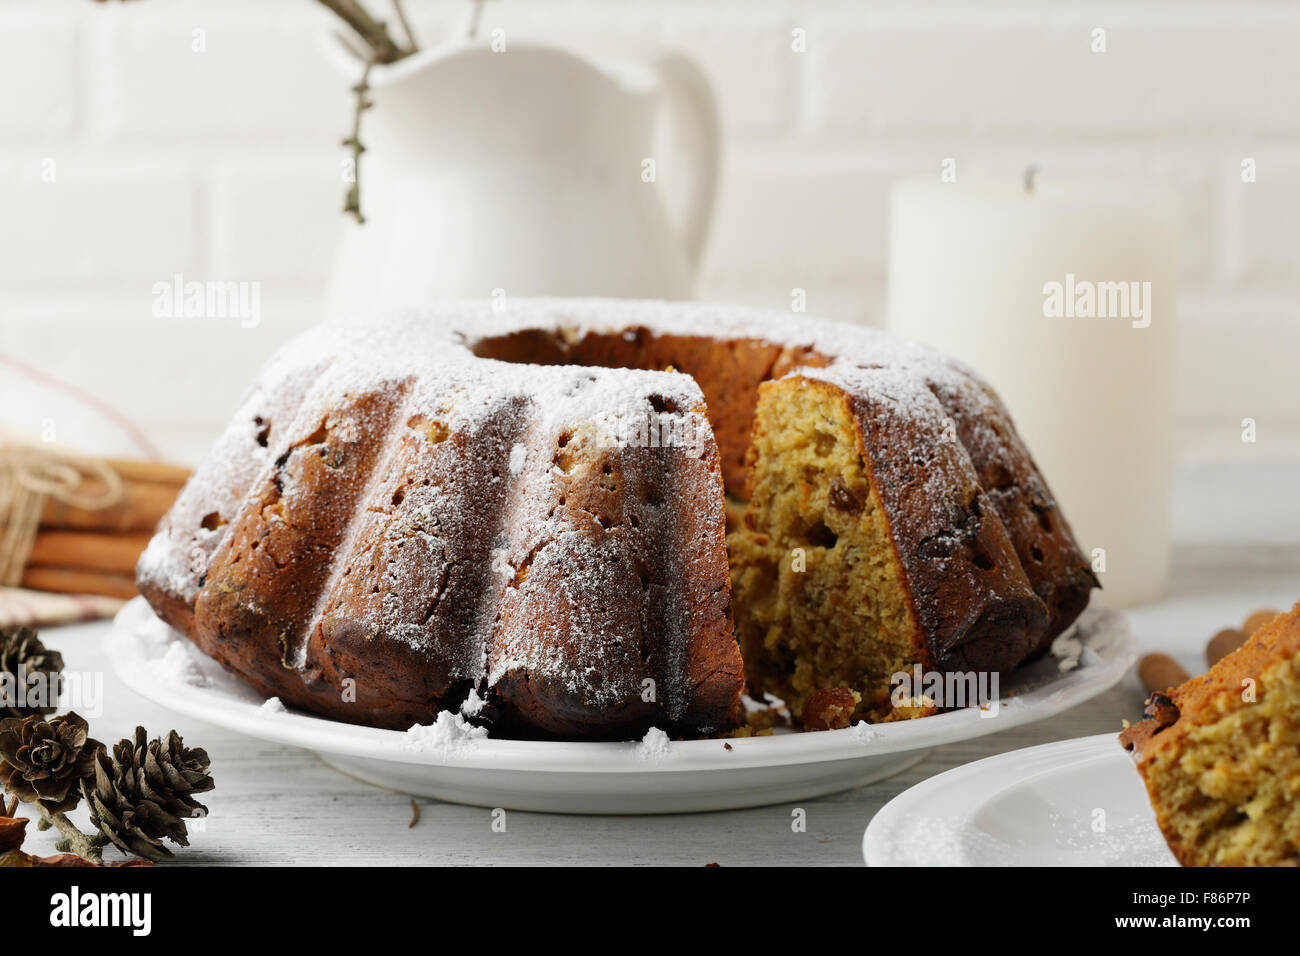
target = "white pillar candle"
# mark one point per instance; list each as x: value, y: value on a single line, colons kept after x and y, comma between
x: 1063, y: 295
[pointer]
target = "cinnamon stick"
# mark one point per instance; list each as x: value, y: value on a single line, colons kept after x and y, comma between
x: 89, y: 551
x: 149, y: 472
x: 141, y: 508
x: 73, y: 581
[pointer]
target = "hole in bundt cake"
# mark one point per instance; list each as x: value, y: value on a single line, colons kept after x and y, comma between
x: 727, y: 372
x: 212, y: 521
x: 834, y: 614
x: 319, y: 436
x: 263, y: 434
x: 1036, y: 553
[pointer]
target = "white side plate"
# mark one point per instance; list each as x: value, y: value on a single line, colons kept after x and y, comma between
x: 637, y: 777
x: 1071, y: 803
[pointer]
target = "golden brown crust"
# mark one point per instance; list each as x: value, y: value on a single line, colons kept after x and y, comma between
x: 319, y: 603
x: 1043, y: 540
x: 730, y: 372
x: 971, y: 599
x: 1171, y: 715
x: 1205, y: 761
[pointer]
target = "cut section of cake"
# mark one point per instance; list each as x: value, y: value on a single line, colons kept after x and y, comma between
x: 1220, y: 755
x: 869, y: 547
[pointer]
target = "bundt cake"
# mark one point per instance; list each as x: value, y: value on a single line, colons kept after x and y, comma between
x: 1220, y: 755
x: 523, y: 515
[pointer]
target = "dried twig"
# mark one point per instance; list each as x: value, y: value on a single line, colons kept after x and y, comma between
x: 88, y: 848
x: 352, y: 203
x: 474, y: 18
x: 411, y: 45
x: 383, y: 48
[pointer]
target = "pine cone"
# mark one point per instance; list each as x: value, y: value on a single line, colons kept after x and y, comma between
x: 21, y: 648
x: 43, y: 761
x: 143, y: 792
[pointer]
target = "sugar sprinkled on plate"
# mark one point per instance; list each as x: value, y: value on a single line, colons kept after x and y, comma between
x: 864, y: 732
x: 654, y: 745
x: 449, y: 734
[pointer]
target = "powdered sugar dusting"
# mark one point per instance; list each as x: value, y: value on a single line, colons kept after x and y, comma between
x: 179, y: 666
x: 473, y: 704
x: 518, y: 455
x: 492, y: 533
x: 450, y: 734
x: 924, y: 840
x: 1067, y: 649
x: 165, y: 658
x: 654, y: 745
x: 863, y: 732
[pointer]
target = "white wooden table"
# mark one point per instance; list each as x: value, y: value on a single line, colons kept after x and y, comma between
x: 1237, y: 548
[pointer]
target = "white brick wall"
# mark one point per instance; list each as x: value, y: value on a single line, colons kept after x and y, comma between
x: 225, y: 165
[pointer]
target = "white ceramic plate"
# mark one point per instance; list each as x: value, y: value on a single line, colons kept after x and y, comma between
x: 1071, y: 803
x: 637, y: 777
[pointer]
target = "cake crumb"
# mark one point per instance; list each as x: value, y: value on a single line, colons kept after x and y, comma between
x: 830, y: 708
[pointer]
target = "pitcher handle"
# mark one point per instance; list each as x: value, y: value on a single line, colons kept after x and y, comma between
x: 694, y: 113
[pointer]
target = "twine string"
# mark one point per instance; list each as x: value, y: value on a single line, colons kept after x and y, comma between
x: 29, y: 477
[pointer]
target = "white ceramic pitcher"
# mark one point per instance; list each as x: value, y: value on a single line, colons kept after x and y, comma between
x: 530, y: 171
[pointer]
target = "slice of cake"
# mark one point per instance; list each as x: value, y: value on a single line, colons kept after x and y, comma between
x: 1220, y: 755
x: 868, y: 549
